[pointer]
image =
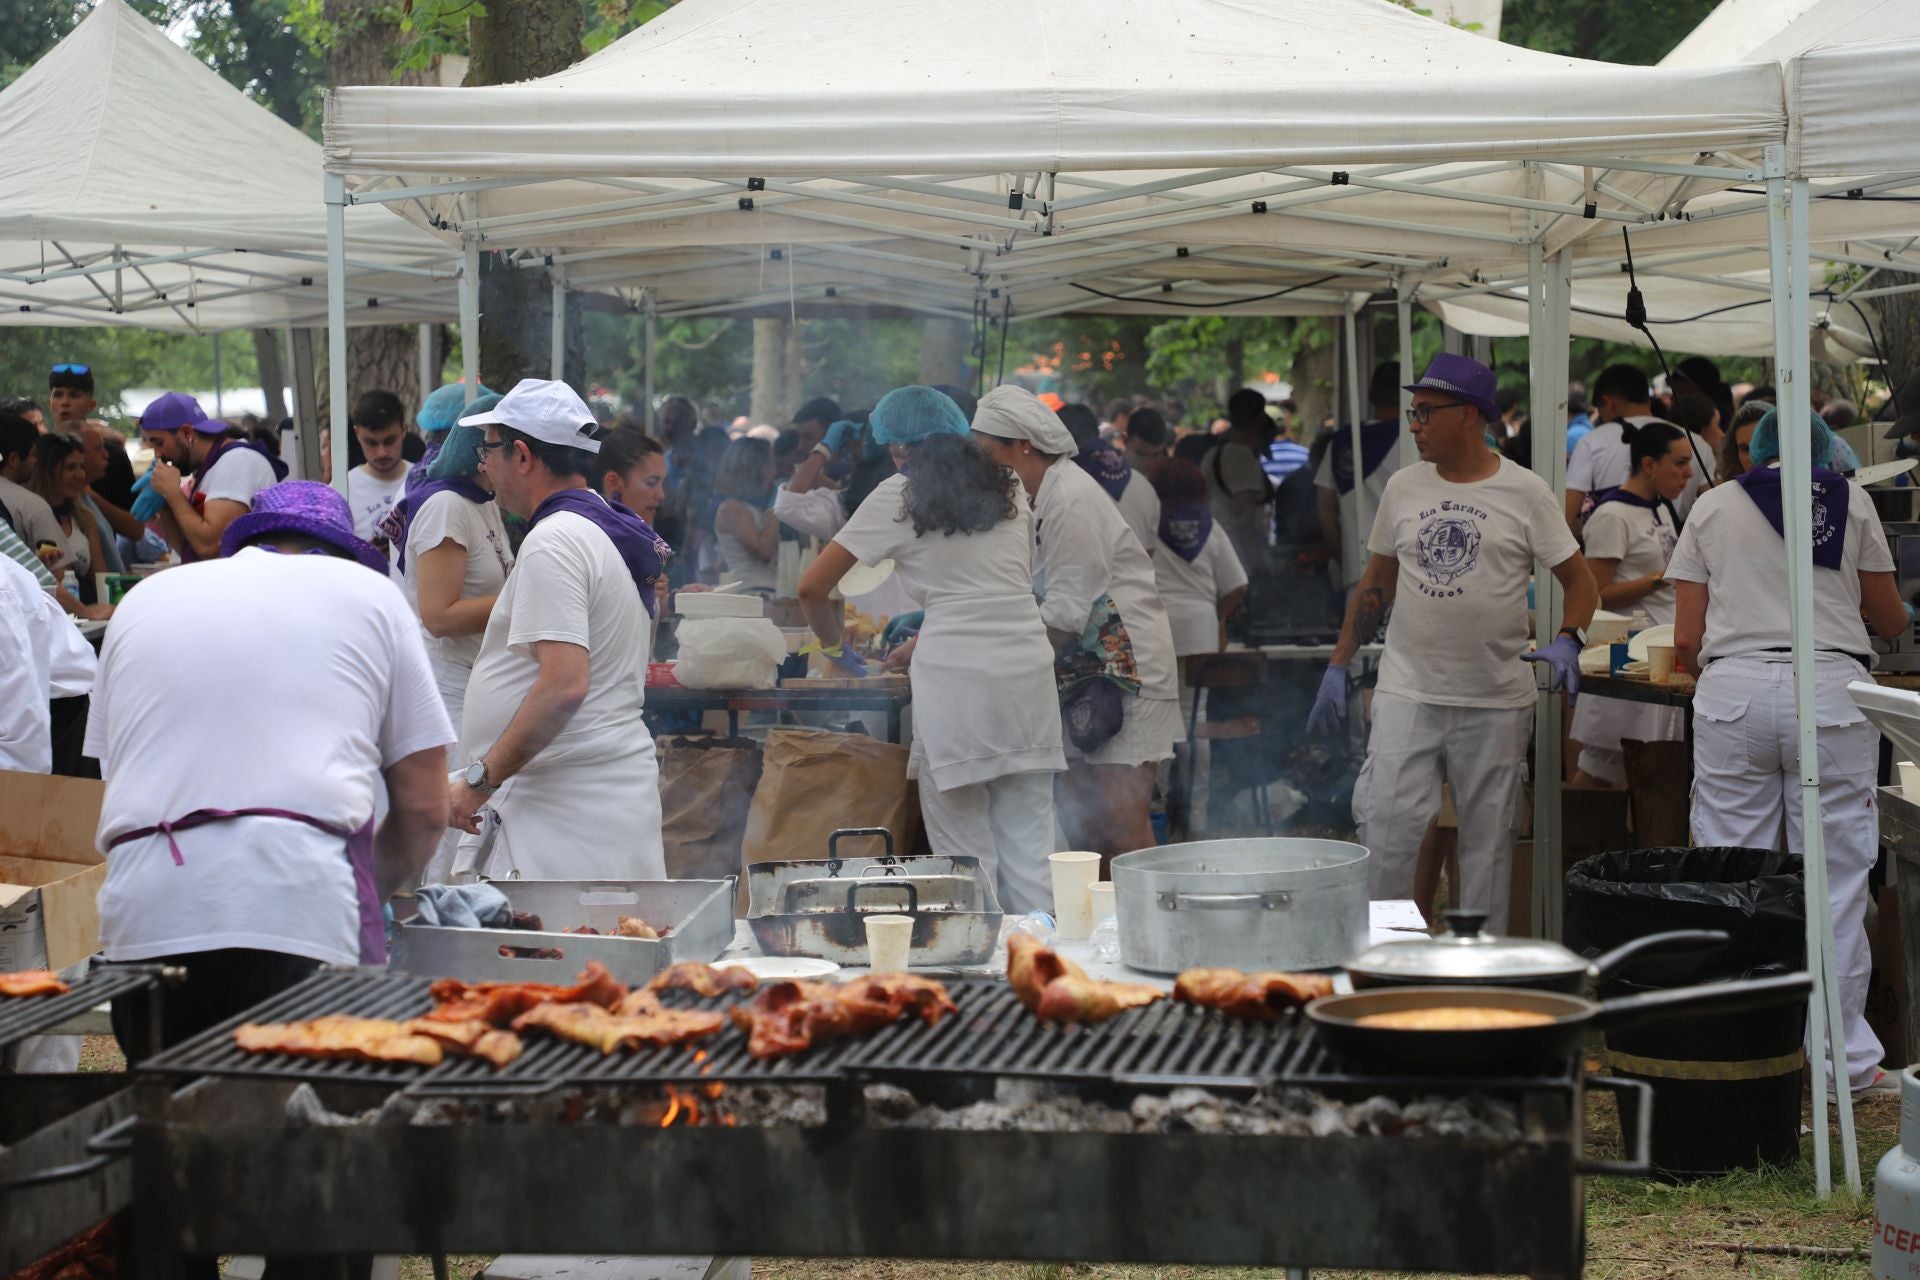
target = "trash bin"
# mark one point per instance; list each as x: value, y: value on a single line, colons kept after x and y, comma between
x: 1727, y: 1087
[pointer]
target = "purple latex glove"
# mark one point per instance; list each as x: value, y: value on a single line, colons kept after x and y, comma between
x: 1329, y: 715
x: 1563, y: 661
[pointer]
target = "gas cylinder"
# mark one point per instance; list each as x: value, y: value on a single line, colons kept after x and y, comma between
x: 1896, y: 1193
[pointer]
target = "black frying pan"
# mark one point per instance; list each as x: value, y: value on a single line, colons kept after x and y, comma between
x: 1337, y: 1018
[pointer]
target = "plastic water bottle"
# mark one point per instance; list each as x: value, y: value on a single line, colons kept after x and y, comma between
x: 1036, y: 924
x: 1640, y: 621
x: 70, y: 583
x: 1104, y: 943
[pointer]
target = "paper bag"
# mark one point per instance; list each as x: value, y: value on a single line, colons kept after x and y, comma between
x: 706, y: 787
x: 812, y: 783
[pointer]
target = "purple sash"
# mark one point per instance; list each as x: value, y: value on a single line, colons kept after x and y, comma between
x: 373, y: 929
x: 1830, y: 498
x: 1377, y: 440
x: 1184, y: 527
x: 1630, y: 499
x: 642, y: 550
x: 1107, y: 465
x: 399, y: 518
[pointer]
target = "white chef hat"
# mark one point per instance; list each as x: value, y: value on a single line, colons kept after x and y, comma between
x: 1013, y: 413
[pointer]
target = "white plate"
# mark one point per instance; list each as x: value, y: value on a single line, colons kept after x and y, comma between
x: 777, y: 968
x: 1881, y: 472
x: 1637, y: 647
x: 863, y: 578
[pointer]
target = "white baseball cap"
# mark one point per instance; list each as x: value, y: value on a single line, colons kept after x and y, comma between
x: 551, y: 412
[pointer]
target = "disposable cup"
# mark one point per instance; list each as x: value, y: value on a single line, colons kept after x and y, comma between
x: 1910, y: 780
x: 889, y: 941
x: 1100, y: 894
x: 1074, y: 875
x: 1659, y: 662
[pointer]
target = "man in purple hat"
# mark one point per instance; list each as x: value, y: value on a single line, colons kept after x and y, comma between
x: 238, y: 822
x: 226, y: 474
x: 1453, y: 547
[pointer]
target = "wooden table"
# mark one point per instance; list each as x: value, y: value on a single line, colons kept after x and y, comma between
x: 891, y: 700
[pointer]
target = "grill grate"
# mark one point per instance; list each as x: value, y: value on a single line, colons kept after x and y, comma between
x: 24, y: 1016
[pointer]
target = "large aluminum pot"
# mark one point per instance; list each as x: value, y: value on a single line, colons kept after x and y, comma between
x: 1241, y: 904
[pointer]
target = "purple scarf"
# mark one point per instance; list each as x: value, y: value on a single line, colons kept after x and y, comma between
x: 1377, y: 440
x: 644, y: 551
x: 1631, y: 499
x: 1185, y: 527
x: 1107, y: 465
x: 399, y: 518
x: 1830, y: 497
x: 220, y: 451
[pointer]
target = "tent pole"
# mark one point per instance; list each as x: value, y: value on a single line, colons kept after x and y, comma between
x: 1550, y: 296
x: 470, y: 317
x: 1403, y: 317
x: 429, y: 376
x: 1362, y: 517
x: 306, y: 406
x: 219, y: 396
x: 652, y: 341
x: 335, y: 194
x: 558, y: 361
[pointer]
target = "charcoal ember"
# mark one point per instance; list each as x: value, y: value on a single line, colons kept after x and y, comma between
x: 1473, y: 1116
x: 1024, y: 1106
x: 888, y: 1103
x: 769, y: 1106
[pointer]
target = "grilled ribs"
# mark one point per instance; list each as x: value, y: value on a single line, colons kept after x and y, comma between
x: 499, y: 1003
x: 1055, y: 989
x: 703, y: 979
x: 32, y: 982
x: 637, y: 1021
x: 789, y: 1017
x: 1257, y: 997
x: 340, y: 1036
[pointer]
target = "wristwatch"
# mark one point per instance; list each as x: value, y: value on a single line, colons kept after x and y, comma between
x: 477, y: 778
x: 1579, y: 636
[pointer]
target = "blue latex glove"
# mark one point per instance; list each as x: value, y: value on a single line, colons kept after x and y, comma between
x: 147, y: 505
x: 1329, y: 715
x: 902, y: 626
x: 839, y: 434
x: 1563, y: 661
x: 850, y: 661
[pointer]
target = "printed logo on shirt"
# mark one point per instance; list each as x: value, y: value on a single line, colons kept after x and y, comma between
x: 1822, y: 528
x: 499, y: 552
x: 1449, y: 547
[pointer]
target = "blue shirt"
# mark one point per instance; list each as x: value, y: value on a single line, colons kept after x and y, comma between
x: 1284, y: 457
x: 1577, y: 427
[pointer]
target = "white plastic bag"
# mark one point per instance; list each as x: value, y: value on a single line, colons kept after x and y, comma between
x: 729, y: 653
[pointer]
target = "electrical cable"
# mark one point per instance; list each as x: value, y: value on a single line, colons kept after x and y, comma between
x: 1206, y: 306
x: 1637, y: 317
x: 1886, y: 371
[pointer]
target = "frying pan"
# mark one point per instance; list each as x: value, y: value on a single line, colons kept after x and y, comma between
x: 1337, y: 1018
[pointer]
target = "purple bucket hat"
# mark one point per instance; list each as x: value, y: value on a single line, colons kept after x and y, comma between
x: 171, y: 412
x: 1463, y: 377
x: 305, y: 507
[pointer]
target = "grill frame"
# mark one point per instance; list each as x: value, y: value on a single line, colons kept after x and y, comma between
x: 36, y: 1015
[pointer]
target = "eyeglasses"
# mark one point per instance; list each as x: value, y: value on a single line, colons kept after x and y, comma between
x: 81, y: 369
x: 485, y: 447
x: 1420, y: 413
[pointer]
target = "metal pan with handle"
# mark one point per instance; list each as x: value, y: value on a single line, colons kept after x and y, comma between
x: 1338, y: 1020
x: 1467, y: 956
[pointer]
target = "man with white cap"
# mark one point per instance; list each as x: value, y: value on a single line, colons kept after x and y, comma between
x: 226, y: 473
x: 1453, y: 547
x: 557, y: 753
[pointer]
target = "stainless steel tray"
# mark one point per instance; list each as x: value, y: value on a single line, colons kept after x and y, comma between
x: 696, y: 915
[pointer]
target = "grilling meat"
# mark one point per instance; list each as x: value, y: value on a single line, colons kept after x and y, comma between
x: 789, y: 1017
x: 638, y: 1021
x: 499, y: 1003
x: 703, y: 979
x: 471, y: 1038
x: 32, y: 982
x: 1256, y: 997
x: 1055, y: 989
x: 629, y: 927
x: 339, y: 1036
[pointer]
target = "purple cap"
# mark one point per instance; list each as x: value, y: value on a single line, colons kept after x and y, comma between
x: 1463, y: 377
x: 305, y: 507
x: 171, y: 412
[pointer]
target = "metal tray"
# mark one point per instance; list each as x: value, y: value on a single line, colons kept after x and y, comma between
x: 696, y: 914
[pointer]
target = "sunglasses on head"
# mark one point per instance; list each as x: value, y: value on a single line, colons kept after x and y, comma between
x: 81, y: 369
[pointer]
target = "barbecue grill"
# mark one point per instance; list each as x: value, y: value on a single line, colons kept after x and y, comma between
x: 60, y: 1171
x: 224, y: 1170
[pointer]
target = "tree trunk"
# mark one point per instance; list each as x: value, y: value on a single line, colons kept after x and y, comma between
x: 273, y: 373
x: 1898, y: 326
x: 1313, y: 385
x: 769, y: 370
x: 509, y: 43
x: 379, y: 357
x: 943, y: 352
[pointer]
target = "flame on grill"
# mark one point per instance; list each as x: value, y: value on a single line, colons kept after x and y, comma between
x: 698, y: 1104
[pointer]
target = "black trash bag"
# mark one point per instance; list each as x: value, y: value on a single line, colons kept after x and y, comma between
x: 1757, y: 896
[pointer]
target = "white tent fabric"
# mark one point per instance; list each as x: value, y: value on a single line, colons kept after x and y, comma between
x: 1733, y: 31
x: 1850, y: 86
x: 194, y: 207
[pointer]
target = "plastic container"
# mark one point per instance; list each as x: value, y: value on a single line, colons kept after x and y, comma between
x: 1104, y: 945
x: 1035, y: 924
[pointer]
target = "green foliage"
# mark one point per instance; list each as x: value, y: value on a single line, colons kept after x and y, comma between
x: 1203, y: 359
x: 28, y: 28
x: 1631, y: 31
x: 122, y: 358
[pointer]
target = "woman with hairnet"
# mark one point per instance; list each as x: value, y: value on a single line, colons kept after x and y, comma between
x: 986, y: 739
x: 1114, y: 650
x: 1730, y: 575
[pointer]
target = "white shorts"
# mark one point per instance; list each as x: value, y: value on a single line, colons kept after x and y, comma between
x: 1147, y: 734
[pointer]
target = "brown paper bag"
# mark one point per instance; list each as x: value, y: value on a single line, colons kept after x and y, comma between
x: 706, y: 787
x: 812, y: 783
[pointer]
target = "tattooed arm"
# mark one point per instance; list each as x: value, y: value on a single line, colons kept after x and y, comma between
x: 1372, y: 596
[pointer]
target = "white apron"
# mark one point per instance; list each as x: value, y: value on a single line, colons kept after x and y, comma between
x: 574, y: 822
x: 984, y: 702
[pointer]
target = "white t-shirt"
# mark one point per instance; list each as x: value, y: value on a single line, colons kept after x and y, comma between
x: 1140, y: 507
x: 1729, y: 545
x: 478, y: 528
x: 818, y: 513
x: 1192, y: 591
x: 568, y: 584
x: 236, y: 475
x: 1352, y: 566
x: 1642, y: 540
x: 1085, y: 551
x: 42, y: 657
x: 1602, y: 460
x: 1231, y: 469
x: 1466, y: 554
x: 371, y: 498
x: 317, y: 683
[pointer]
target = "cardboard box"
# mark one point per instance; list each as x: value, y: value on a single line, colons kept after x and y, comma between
x: 50, y: 874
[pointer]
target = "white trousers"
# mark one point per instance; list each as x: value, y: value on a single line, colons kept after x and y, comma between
x: 451, y: 678
x: 1005, y: 822
x: 1196, y: 762
x: 1746, y: 782
x: 1483, y: 752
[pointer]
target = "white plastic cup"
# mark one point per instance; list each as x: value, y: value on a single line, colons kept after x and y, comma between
x: 889, y: 942
x: 1074, y: 875
x: 1100, y: 895
x: 1659, y: 662
x: 1910, y: 780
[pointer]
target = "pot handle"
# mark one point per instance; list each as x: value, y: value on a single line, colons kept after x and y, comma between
x: 834, y: 860
x: 1178, y: 900
x: 1653, y: 943
x: 1711, y: 997
x: 1640, y: 1163
x: 913, y: 892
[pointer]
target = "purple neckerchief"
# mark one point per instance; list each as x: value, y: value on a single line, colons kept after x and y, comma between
x: 1377, y: 440
x: 394, y: 525
x: 644, y: 551
x: 1830, y: 497
x: 417, y: 473
x: 220, y: 450
x: 1621, y: 494
x: 1107, y: 465
x: 1185, y: 527
x: 373, y: 931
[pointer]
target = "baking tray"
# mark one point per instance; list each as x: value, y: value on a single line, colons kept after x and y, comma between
x: 696, y: 915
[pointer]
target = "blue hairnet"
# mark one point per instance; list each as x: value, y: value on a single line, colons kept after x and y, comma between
x: 908, y: 415
x: 460, y: 455
x: 1765, y: 445
x: 445, y: 407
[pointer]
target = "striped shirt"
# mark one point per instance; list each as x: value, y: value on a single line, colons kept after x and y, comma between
x: 14, y: 549
x: 1284, y: 457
